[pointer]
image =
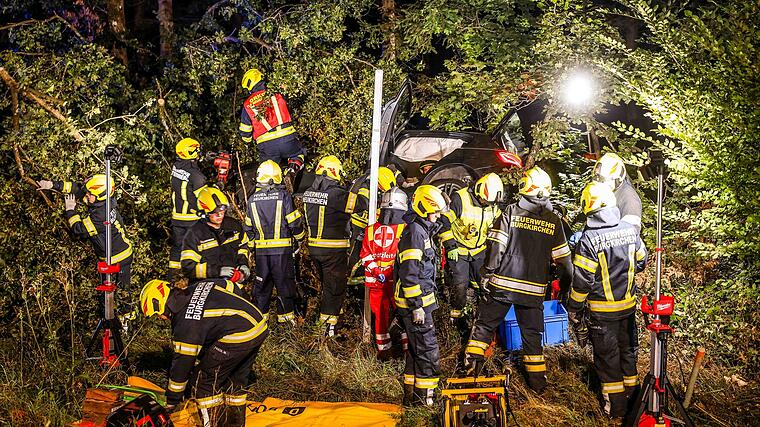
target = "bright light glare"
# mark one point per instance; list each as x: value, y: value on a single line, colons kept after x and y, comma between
x: 578, y: 89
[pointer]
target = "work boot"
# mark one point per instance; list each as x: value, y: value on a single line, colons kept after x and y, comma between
x: 471, y: 367
x: 408, y: 394
x: 329, y: 330
x: 536, y: 382
x: 423, y: 396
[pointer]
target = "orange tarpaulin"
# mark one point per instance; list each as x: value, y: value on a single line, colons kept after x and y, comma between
x: 274, y: 412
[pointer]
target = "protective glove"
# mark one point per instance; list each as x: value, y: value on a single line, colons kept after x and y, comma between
x: 69, y: 202
x: 244, y: 271
x: 226, y: 272
x: 418, y: 316
x: 484, y: 290
x: 579, y: 327
x: 453, y: 255
x: 45, y: 185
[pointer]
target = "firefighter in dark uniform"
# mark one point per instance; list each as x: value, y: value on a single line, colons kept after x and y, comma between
x: 522, y: 245
x: 465, y: 227
x: 215, y: 246
x: 386, y: 179
x: 223, y: 331
x: 187, y: 182
x: 265, y: 119
x: 328, y: 206
x: 91, y: 226
x: 610, y: 170
x: 415, y: 295
x: 607, y: 256
x: 272, y: 221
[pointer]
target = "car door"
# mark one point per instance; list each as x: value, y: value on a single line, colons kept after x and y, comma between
x: 395, y: 117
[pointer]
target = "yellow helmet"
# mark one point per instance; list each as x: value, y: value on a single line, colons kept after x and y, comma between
x: 153, y: 297
x: 251, y: 78
x: 188, y: 149
x: 610, y: 169
x: 269, y: 172
x: 489, y: 187
x: 596, y: 196
x: 386, y: 179
x: 211, y: 199
x: 331, y: 167
x: 428, y: 199
x: 96, y: 186
x: 535, y: 182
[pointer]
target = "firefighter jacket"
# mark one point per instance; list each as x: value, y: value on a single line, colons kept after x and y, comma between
x: 265, y: 117
x: 629, y: 204
x: 187, y: 181
x: 522, y: 244
x: 92, y: 226
x: 607, y: 256
x: 466, y: 224
x: 417, y: 261
x: 379, y: 250
x: 272, y: 220
x: 328, y: 206
x: 360, y: 217
x: 204, y: 315
x: 206, y: 249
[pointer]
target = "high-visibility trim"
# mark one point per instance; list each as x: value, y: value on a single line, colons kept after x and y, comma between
x: 200, y: 270
x: 247, y: 138
x: 275, y: 133
x: 229, y: 285
x: 74, y: 219
x: 320, y: 221
x: 370, y: 279
x: 245, y: 128
x: 241, y: 337
x: 474, y: 251
x: 412, y: 291
x: 517, y: 285
x: 329, y: 243
x: 455, y: 313
x: 535, y: 368
x: 175, y: 264
x: 382, y: 337
x: 410, y: 254
x: 631, y: 269
x: 387, y: 263
x: 276, y: 108
x: 616, y: 387
x: 641, y: 253
x: 383, y: 345
x: 235, y: 399
x: 364, y: 192
x: 66, y: 187
x: 257, y: 220
x: 578, y: 296
x: 183, y: 194
x: 273, y: 243
x: 207, y: 244
x: 210, y: 402
x: 533, y: 357
x: 176, y: 387
x: 189, y: 254
x: 478, y: 344
x: 426, y: 383
x: 330, y: 319
x: 632, y: 219
x: 185, y: 217
x: 409, y: 379
x: 292, y: 216
x: 91, y: 230
x: 560, y: 251
x: 232, y: 239
x: 446, y: 236
x: 612, y: 306
x: 498, y: 236
x: 631, y: 381
x: 606, y: 285
x: 121, y: 256
x: 427, y: 300
x: 287, y: 317
x: 351, y: 202
x: 300, y: 235
x: 278, y: 220
x: 186, y: 348
x: 359, y: 221
x: 585, y: 263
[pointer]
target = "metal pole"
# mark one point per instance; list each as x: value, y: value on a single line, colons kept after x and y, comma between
x: 656, y: 349
x: 374, y: 160
x: 108, y: 297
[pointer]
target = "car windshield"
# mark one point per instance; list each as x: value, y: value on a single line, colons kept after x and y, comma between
x: 510, y: 133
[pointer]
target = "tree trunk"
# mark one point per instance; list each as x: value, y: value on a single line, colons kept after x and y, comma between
x: 166, y: 21
x: 117, y: 22
x: 388, y: 10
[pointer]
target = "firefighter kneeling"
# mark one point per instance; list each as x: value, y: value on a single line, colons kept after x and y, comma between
x: 606, y: 257
x: 220, y: 327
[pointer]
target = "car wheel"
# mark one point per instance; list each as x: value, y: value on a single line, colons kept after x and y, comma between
x: 449, y: 186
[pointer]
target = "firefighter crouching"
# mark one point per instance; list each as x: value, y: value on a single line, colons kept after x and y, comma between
x: 415, y: 295
x: 91, y: 226
x: 521, y: 246
x: 272, y: 221
x: 610, y: 170
x: 220, y: 328
x: 465, y: 227
x: 378, y: 256
x: 607, y: 256
x: 215, y: 246
x: 328, y: 206
x: 187, y: 182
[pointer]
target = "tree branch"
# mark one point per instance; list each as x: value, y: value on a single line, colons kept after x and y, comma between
x: 55, y: 17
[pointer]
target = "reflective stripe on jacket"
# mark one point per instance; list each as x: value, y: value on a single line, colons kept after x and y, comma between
x: 187, y: 181
x: 206, y: 250
x: 417, y: 261
x: 272, y: 221
x: 328, y: 206
x: 265, y: 118
x: 379, y: 250
x: 467, y: 222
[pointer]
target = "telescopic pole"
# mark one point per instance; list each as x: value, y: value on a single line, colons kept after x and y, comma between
x: 109, y: 295
x: 656, y: 349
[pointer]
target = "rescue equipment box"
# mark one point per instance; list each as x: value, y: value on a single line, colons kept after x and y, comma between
x: 555, y: 327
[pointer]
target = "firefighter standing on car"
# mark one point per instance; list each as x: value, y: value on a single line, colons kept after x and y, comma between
x: 522, y: 245
x: 610, y: 170
x: 187, y: 182
x: 607, y: 256
x: 272, y: 222
x: 415, y: 294
x: 265, y: 119
x: 215, y: 246
x: 378, y: 256
x: 328, y: 206
x: 465, y: 227
x: 220, y: 328
x: 92, y: 226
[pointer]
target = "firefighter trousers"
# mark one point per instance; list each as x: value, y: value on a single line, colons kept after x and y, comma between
x: 615, y: 344
x: 178, y: 236
x: 381, y: 304
x: 280, y: 150
x: 422, y: 369
x: 491, y: 313
x: 275, y: 271
x: 355, y: 268
x: 332, y: 270
x: 462, y: 273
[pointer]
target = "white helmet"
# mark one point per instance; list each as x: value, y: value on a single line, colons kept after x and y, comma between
x: 610, y: 170
x: 395, y: 198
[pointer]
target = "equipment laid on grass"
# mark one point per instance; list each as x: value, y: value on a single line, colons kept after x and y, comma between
x: 476, y: 401
x: 555, y: 327
x: 651, y: 407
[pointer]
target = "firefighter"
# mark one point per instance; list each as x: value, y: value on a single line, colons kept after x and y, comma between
x: 521, y: 247
x: 92, y: 226
x: 386, y: 179
x: 378, y: 256
x: 187, y: 182
x: 465, y: 227
x: 415, y: 294
x: 215, y: 246
x: 607, y: 256
x: 217, y: 326
x: 328, y: 206
x: 265, y: 118
x: 610, y: 169
x: 272, y: 222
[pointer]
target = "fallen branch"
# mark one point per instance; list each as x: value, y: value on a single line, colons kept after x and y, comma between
x: 55, y: 17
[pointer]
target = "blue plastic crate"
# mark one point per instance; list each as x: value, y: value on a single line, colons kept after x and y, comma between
x: 555, y: 327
